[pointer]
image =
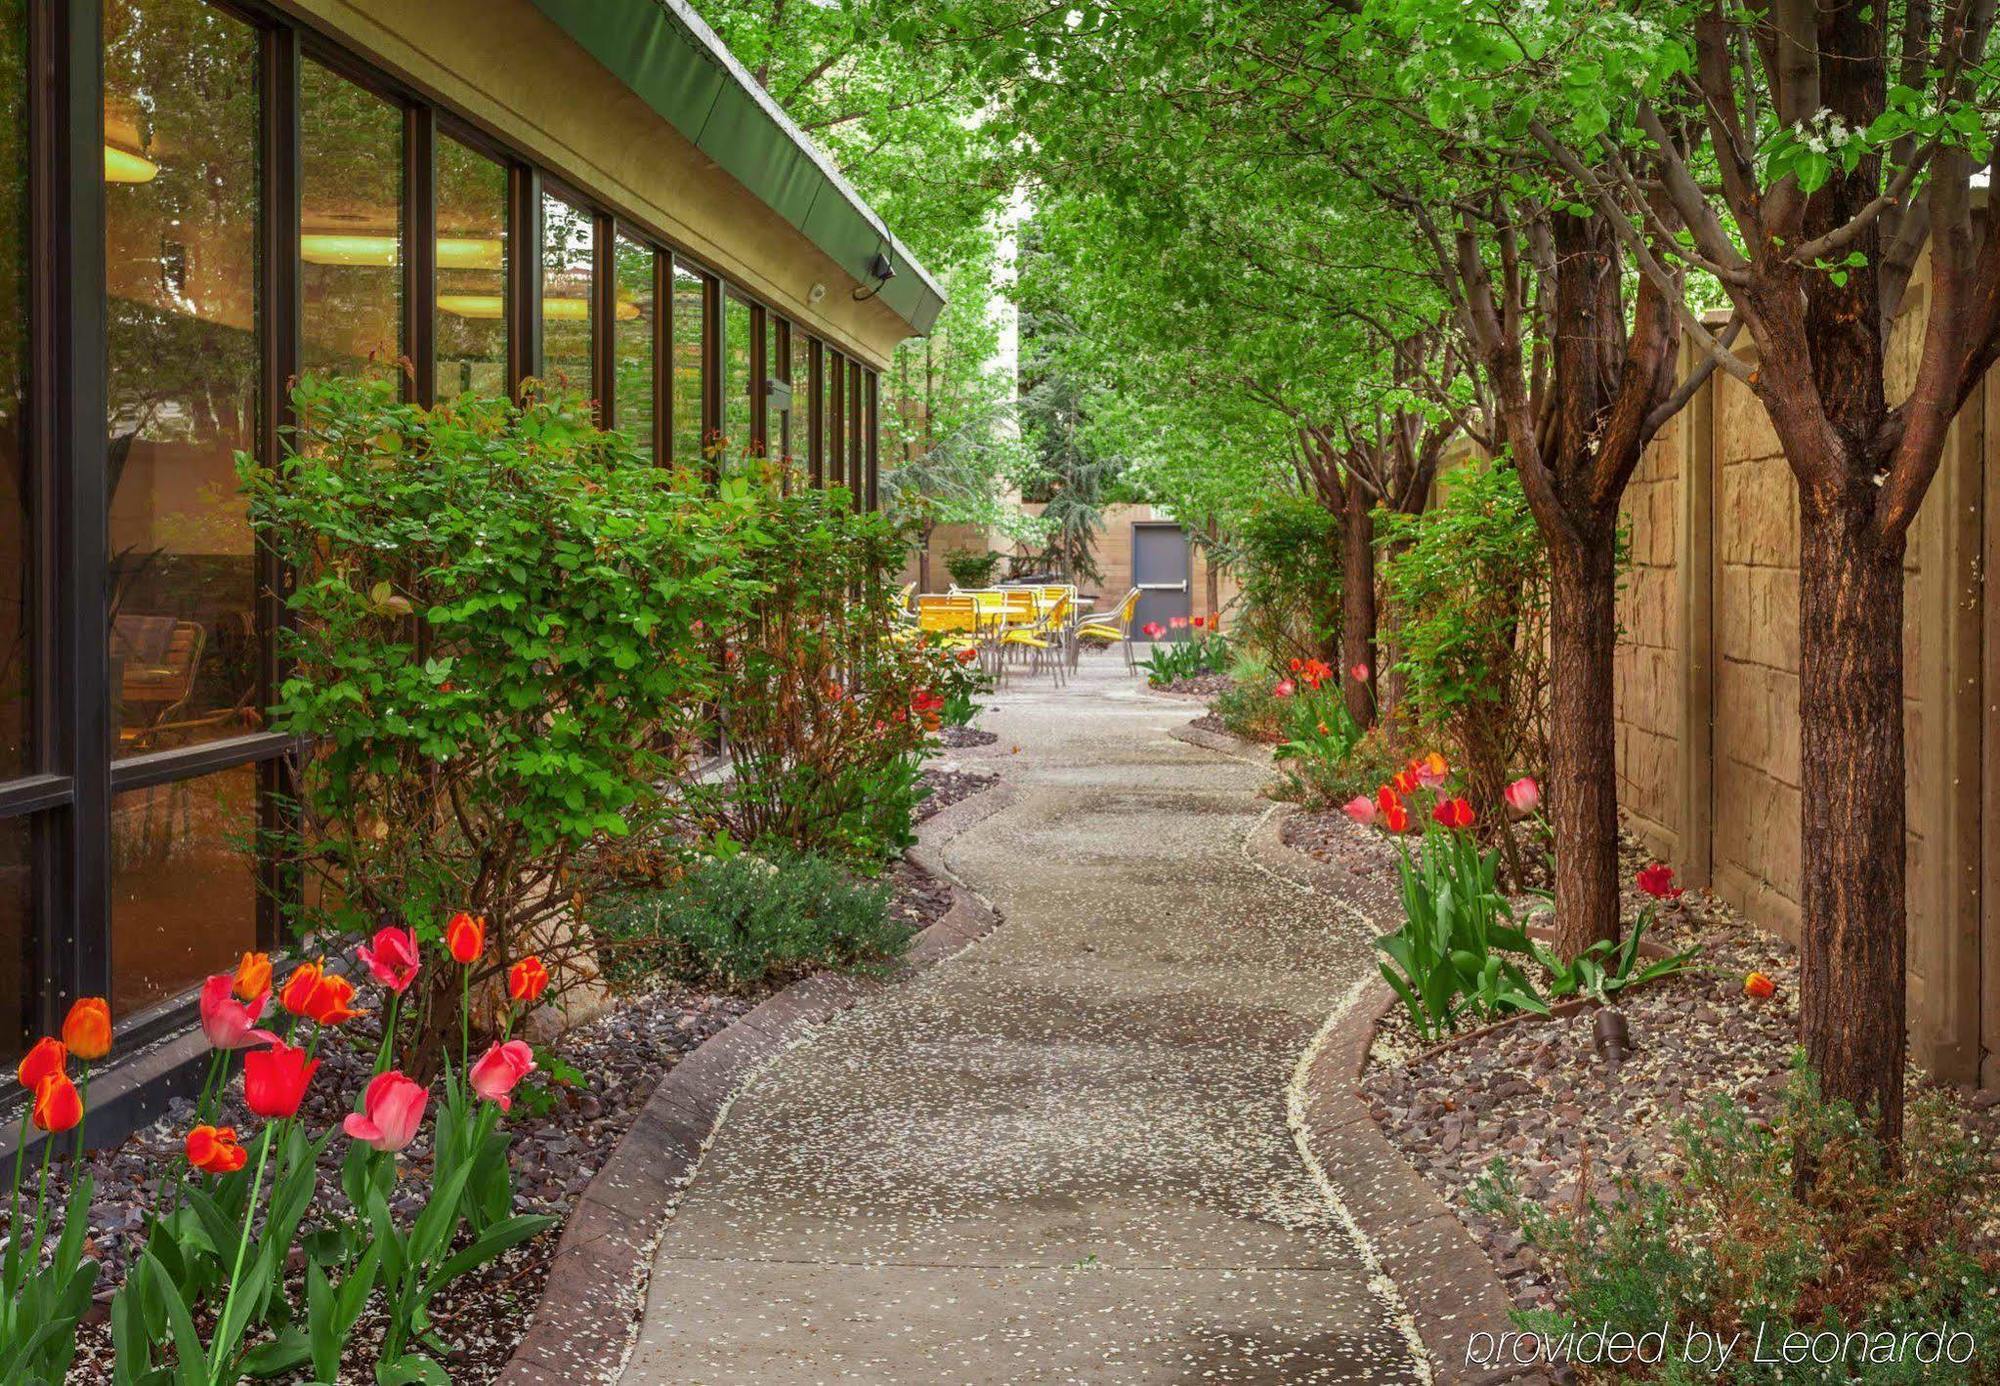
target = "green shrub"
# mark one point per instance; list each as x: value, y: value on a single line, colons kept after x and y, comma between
x: 497, y: 649
x: 746, y: 920
x: 969, y: 569
x: 1725, y: 1244
x: 1288, y: 557
x: 1248, y: 708
x: 1469, y: 578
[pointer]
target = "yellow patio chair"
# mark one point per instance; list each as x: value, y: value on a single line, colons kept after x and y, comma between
x: 1114, y: 625
x: 1034, y: 630
x: 957, y: 621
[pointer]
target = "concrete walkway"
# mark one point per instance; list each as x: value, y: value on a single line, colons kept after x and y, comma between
x: 1062, y: 1155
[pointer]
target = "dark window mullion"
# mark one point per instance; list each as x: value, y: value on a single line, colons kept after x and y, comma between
x: 524, y: 269
x: 420, y: 250
x: 815, y: 412
x: 663, y: 357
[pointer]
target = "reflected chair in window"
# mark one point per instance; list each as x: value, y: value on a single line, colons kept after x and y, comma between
x: 161, y: 657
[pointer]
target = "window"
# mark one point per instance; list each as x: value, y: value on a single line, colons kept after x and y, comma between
x: 836, y: 380
x: 774, y: 369
x: 632, y: 388
x: 471, y: 273
x: 181, y: 216
x: 568, y: 241
x: 689, y: 292
x: 20, y: 987
x: 350, y: 224
x: 735, y: 380
x: 798, y: 423
x: 857, y: 481
x: 183, y: 890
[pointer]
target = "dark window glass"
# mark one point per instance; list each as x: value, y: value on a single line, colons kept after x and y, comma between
x: 567, y: 240
x: 633, y: 392
x: 15, y: 630
x: 350, y: 223
x: 735, y: 380
x: 774, y: 369
x: 180, y: 100
x: 688, y: 314
x: 471, y: 273
x: 799, y: 419
x: 856, y: 459
x: 836, y: 380
x: 183, y: 885
x: 19, y: 985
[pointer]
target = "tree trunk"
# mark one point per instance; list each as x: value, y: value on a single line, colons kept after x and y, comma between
x: 1583, y: 768
x: 1357, y: 604
x: 1851, y: 996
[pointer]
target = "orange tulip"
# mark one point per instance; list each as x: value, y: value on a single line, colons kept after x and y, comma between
x: 465, y: 937
x: 296, y: 995
x: 527, y: 980
x: 312, y: 993
x: 57, y: 1105
x: 1759, y: 986
x: 253, y: 976
x: 213, y: 1150
x: 47, y: 1057
x: 87, y: 1029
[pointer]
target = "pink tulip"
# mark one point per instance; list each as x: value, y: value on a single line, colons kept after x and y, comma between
x: 391, y: 1111
x: 1361, y: 809
x: 393, y: 959
x: 1523, y: 796
x: 1359, y: 673
x: 500, y: 1070
x: 1285, y: 688
x: 229, y: 1023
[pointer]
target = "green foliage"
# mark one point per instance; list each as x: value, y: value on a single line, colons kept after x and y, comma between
x: 1450, y: 955
x: 1186, y: 659
x: 1287, y: 556
x: 1607, y: 967
x: 1248, y: 708
x: 970, y: 569
x: 1876, y: 1242
x: 749, y: 920
x: 1321, y: 736
x: 42, y: 1302
x: 498, y: 646
x: 1468, y: 583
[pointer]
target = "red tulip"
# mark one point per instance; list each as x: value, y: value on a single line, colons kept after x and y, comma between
x: 1657, y: 881
x: 1387, y: 798
x: 1759, y: 986
x: 1396, y: 818
x: 57, y: 1104
x: 1523, y: 796
x: 49, y: 1055
x: 501, y: 1069
x: 1197, y: 623
x: 391, y: 1111
x: 87, y: 1028
x: 213, y: 1150
x: 275, y: 1079
x: 1361, y: 809
x: 392, y: 960
x: 465, y: 937
x: 229, y: 1023
x: 1297, y: 664
x: 1454, y: 813
x: 527, y: 980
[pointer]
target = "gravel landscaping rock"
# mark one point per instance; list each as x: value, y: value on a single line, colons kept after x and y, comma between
x: 1197, y: 685
x: 965, y: 738
x: 948, y: 784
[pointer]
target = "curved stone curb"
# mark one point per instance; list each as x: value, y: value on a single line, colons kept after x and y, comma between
x: 596, y: 1292
x: 1445, y: 1278
x: 1221, y: 741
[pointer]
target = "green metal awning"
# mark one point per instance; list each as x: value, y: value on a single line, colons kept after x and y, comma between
x: 674, y: 62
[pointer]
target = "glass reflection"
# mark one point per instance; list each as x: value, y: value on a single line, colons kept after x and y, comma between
x: 735, y: 380
x: 689, y: 311
x: 183, y: 885
x: 633, y: 336
x: 836, y: 391
x: 567, y: 244
x: 19, y: 988
x: 180, y: 83
x: 471, y: 273
x: 798, y: 419
x: 350, y: 224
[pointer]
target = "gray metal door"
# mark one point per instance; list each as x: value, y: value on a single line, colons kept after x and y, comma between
x: 1160, y: 572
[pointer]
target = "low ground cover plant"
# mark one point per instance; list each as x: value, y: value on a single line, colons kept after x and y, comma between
x: 1204, y: 650
x: 1870, y: 1249
x: 744, y: 920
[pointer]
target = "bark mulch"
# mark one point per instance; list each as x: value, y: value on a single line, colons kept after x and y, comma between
x: 965, y: 738
x: 948, y: 785
x: 1198, y: 685
x: 560, y: 1139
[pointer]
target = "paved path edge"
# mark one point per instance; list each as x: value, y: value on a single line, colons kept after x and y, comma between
x: 585, y: 1324
x: 1447, y: 1283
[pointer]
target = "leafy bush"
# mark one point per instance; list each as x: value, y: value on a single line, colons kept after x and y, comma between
x: 826, y: 702
x: 1876, y: 1242
x: 744, y: 920
x: 1201, y: 653
x: 1320, y: 734
x: 969, y: 569
x: 1469, y: 577
x: 1288, y: 558
x: 1248, y: 707
x: 500, y: 644
x: 961, y: 682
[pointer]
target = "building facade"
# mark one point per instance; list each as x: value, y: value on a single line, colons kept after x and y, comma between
x: 201, y: 201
